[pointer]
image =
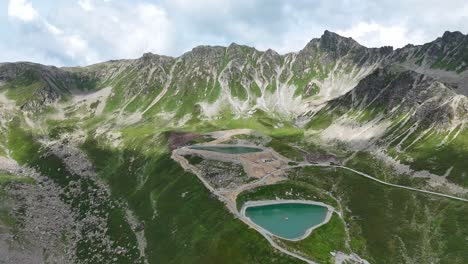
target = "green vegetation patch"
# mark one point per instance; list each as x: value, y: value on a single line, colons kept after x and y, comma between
x: 26, y: 150
x: 428, y: 153
x: 237, y: 90
x: 120, y: 84
x: 23, y: 87
x: 6, y: 216
x: 183, y: 222
x: 6, y: 178
x: 57, y: 128
x: 194, y: 159
x: 393, y: 225
x: 286, y: 150
x: 367, y: 163
x: 320, y: 121
x: 327, y: 238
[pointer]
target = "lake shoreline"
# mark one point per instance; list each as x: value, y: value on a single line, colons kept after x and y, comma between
x: 248, y: 204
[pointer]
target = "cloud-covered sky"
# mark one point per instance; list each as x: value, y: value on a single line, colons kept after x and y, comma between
x: 81, y: 32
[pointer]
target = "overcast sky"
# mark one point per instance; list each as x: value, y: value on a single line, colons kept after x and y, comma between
x: 81, y: 32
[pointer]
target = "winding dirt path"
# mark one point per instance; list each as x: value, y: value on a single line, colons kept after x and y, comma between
x: 399, y: 186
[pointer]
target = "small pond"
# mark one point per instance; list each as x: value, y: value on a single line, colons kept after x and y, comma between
x: 287, y: 220
x: 228, y: 149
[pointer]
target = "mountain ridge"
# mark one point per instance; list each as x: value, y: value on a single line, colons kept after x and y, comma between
x: 247, y: 79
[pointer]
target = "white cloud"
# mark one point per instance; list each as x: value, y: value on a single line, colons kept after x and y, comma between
x: 111, y: 31
x: 52, y: 29
x: 125, y: 32
x: 22, y: 9
x: 77, y: 48
x: 150, y: 32
x: 376, y: 35
x: 86, y: 5
x: 72, y: 44
x: 86, y: 31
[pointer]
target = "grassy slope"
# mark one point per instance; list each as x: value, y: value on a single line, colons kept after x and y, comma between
x: 22, y: 88
x: 6, y: 178
x: 429, y: 154
x: 425, y: 153
x: 322, y: 241
x: 190, y: 228
x: 27, y: 151
x: 390, y: 225
x: 365, y: 162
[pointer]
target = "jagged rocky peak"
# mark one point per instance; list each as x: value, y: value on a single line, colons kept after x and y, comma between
x: 272, y: 53
x: 41, y: 85
x: 332, y: 50
x: 150, y: 60
x: 447, y: 53
x: 203, y: 55
x: 451, y: 43
x: 332, y: 42
x: 335, y: 42
x: 11, y: 71
x: 236, y: 47
x: 428, y: 101
x: 240, y: 52
x: 27, y: 73
x: 150, y: 57
x: 332, y: 64
x: 271, y: 56
x: 453, y: 36
x: 205, y: 50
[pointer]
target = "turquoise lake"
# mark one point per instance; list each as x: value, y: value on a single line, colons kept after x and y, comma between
x: 287, y: 220
x: 228, y: 149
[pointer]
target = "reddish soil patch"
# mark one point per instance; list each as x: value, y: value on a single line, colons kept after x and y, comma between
x: 179, y: 139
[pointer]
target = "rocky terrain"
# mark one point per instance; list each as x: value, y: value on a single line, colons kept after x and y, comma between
x: 43, y: 225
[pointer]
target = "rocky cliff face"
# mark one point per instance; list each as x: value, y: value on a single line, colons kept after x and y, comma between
x: 393, y: 93
x: 35, y: 86
x: 445, y: 59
